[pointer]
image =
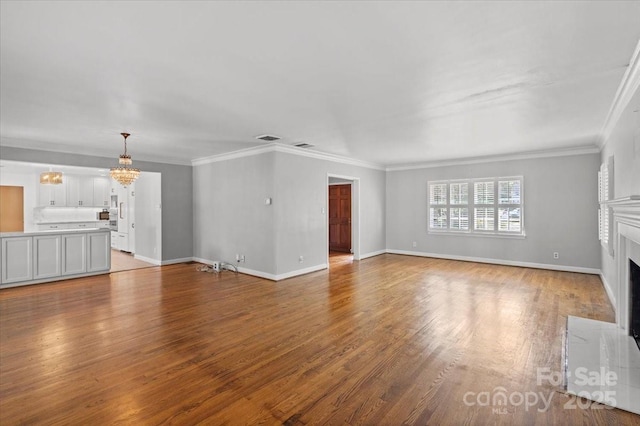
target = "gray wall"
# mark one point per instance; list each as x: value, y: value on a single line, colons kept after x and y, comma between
x: 560, y: 212
x: 230, y: 214
x: 626, y: 171
x: 177, y: 193
x: 301, y: 193
x: 216, y: 210
x: 148, y: 188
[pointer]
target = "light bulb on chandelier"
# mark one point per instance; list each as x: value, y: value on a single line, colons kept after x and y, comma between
x: 125, y: 175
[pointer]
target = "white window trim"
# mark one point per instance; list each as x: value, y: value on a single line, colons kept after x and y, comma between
x: 471, y: 232
x: 605, y: 214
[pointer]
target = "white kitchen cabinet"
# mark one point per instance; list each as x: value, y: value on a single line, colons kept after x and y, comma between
x: 114, y: 240
x: 17, y: 259
x: 52, y: 256
x: 98, y: 252
x: 101, y: 192
x: 74, y: 254
x: 46, y: 256
x: 123, y: 208
x: 121, y: 241
x: 52, y: 226
x: 79, y: 191
x: 83, y: 225
x: 102, y: 224
x: 52, y: 195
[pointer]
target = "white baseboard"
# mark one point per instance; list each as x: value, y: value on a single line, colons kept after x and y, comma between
x: 148, y: 260
x: 373, y: 253
x: 201, y: 260
x: 607, y: 288
x: 266, y: 275
x: 301, y: 271
x: 173, y: 261
x: 242, y: 270
x: 258, y: 274
x: 563, y: 268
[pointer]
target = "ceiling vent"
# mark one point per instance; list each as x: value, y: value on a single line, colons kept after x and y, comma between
x: 303, y: 145
x: 268, y: 138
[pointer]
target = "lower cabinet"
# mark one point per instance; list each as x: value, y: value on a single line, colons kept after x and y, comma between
x: 53, y: 256
x: 120, y: 241
x: 46, y: 256
x: 74, y: 254
x: 17, y: 259
x: 98, y: 252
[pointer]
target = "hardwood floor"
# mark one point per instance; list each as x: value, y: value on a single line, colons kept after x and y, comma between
x: 121, y: 261
x: 387, y: 340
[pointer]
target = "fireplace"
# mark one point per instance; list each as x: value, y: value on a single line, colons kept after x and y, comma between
x: 612, y: 348
x: 634, y: 282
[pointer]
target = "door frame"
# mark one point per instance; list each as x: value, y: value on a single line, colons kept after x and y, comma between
x: 355, y: 214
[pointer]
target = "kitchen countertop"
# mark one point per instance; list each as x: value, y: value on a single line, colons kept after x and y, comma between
x: 52, y: 231
x: 52, y: 222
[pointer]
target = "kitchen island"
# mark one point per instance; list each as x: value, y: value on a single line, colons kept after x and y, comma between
x: 43, y: 256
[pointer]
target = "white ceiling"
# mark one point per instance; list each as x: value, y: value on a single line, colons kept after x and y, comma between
x: 385, y: 82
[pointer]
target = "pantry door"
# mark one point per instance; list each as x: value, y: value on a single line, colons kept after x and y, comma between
x: 11, y: 208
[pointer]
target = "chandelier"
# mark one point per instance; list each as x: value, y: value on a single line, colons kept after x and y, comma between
x: 51, y: 178
x: 125, y: 174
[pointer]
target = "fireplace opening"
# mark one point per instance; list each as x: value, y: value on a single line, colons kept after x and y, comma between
x: 634, y: 278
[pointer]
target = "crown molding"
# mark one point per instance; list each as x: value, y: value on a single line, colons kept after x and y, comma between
x: 246, y: 152
x: 286, y: 149
x: 16, y: 143
x: 306, y: 152
x: 627, y: 88
x: 583, y: 150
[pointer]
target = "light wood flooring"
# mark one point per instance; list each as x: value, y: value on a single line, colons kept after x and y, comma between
x: 121, y: 261
x: 387, y: 340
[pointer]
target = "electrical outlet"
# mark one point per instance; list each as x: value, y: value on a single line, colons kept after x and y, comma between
x: 237, y: 257
x: 301, y: 259
x: 415, y: 244
x: 556, y: 255
x: 242, y: 258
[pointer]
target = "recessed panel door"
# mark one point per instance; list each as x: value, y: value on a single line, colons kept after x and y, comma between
x: 340, y: 218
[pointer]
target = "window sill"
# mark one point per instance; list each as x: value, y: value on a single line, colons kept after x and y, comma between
x: 478, y: 234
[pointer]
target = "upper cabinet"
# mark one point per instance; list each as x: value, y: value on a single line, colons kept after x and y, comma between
x: 52, y: 195
x: 79, y: 191
x: 76, y: 191
x: 101, y: 192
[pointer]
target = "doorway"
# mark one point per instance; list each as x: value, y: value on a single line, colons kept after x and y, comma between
x: 343, y: 218
x: 340, y: 217
x: 145, y: 222
x: 11, y: 208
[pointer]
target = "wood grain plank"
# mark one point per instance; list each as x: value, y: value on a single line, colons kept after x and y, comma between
x: 387, y: 340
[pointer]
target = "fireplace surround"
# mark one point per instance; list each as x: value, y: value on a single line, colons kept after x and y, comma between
x: 608, y: 350
x: 626, y: 233
x: 634, y: 281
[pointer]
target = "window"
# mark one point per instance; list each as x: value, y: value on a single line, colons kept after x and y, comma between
x: 483, y: 196
x: 437, y: 214
x: 477, y: 206
x: 509, y: 217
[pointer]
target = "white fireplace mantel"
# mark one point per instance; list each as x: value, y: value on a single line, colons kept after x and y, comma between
x: 626, y: 230
x: 599, y: 346
x: 626, y: 210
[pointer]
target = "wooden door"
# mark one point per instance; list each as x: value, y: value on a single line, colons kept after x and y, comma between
x: 11, y: 209
x: 340, y: 218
